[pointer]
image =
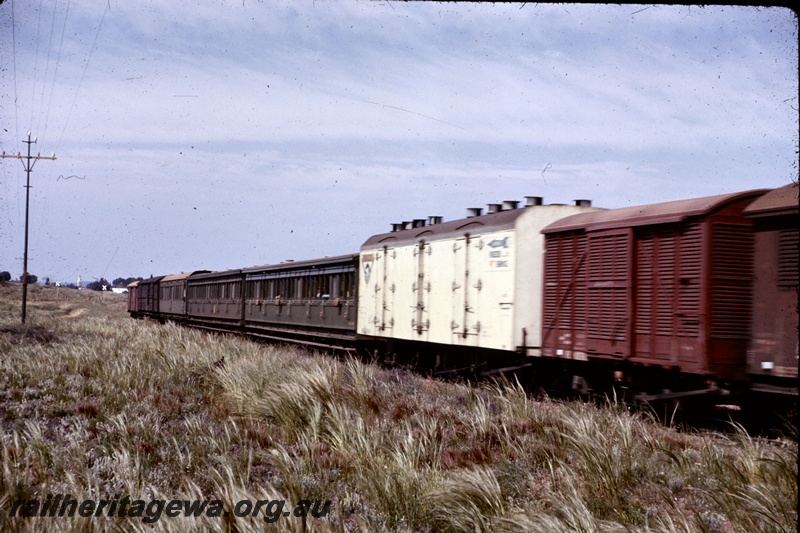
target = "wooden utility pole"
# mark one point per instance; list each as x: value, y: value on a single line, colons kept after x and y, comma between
x: 27, y: 162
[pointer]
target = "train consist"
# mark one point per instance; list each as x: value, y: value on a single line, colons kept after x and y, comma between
x: 669, y: 300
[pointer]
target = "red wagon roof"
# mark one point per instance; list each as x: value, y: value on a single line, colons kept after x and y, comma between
x: 780, y: 201
x: 661, y: 213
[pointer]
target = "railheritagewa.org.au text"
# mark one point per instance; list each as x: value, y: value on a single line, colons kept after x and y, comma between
x: 153, y: 510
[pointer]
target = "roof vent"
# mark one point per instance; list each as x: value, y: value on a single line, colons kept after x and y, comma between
x: 397, y: 226
x: 531, y: 201
x: 418, y: 223
x: 407, y: 224
x: 474, y: 212
x: 493, y: 208
x: 583, y: 203
x: 434, y: 219
x: 510, y: 205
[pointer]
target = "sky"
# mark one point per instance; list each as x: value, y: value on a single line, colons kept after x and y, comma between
x: 200, y: 135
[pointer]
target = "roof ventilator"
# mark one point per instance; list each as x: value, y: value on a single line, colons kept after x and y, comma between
x: 582, y: 202
x: 510, y: 205
x: 531, y: 201
x: 493, y: 208
x: 474, y: 212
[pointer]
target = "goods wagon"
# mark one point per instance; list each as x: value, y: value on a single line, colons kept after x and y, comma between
x: 773, y: 354
x: 664, y: 286
x: 312, y: 302
x: 470, y: 283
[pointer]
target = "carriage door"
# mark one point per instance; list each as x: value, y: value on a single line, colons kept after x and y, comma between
x: 385, y: 288
x: 376, y: 292
x: 464, y: 324
x: 608, y: 275
x: 421, y: 286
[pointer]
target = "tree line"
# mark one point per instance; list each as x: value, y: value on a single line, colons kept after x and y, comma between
x: 96, y: 285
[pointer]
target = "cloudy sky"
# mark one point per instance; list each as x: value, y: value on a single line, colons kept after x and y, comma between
x: 225, y: 134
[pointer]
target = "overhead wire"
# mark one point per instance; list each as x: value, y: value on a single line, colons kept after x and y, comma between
x: 35, y: 63
x: 16, y: 113
x: 46, y: 70
x: 83, y: 75
x: 38, y: 194
x: 41, y: 192
x: 81, y: 80
x: 14, y: 62
x: 55, y: 75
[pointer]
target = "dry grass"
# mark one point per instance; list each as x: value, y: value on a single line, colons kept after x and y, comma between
x: 95, y: 404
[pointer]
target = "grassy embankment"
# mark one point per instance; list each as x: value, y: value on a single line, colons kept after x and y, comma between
x: 98, y: 405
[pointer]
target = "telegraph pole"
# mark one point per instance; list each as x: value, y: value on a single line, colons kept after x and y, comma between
x: 27, y: 162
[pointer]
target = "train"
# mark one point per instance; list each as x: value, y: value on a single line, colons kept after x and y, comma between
x: 665, y: 301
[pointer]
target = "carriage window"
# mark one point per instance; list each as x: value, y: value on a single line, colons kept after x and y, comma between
x: 287, y: 288
x: 326, y: 286
x: 236, y: 290
x: 317, y: 287
x: 348, y: 285
x: 268, y: 289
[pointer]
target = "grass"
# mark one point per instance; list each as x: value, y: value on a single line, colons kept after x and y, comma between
x: 95, y: 404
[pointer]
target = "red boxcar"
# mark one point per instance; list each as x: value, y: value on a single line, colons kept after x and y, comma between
x: 772, y: 357
x: 666, y: 285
